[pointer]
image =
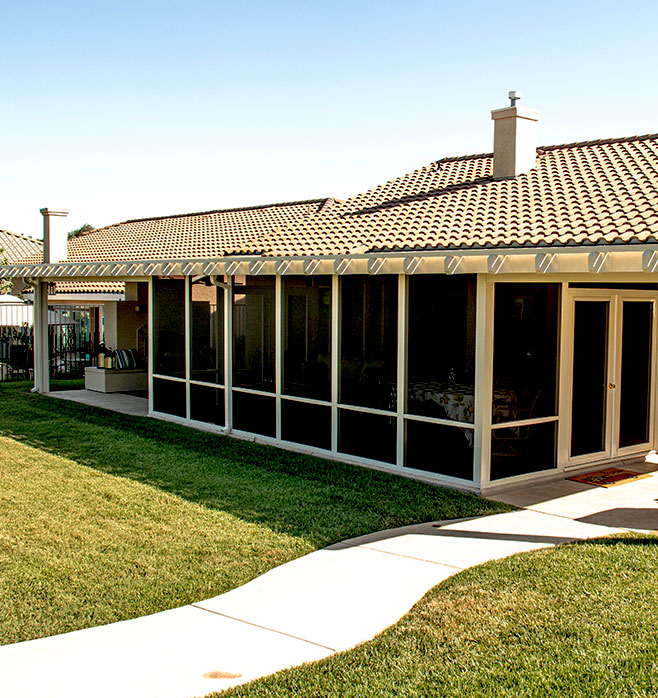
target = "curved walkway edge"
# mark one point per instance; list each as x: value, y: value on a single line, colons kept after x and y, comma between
x: 302, y: 611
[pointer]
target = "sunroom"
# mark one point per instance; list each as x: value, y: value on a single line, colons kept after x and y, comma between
x: 475, y: 380
x: 482, y: 321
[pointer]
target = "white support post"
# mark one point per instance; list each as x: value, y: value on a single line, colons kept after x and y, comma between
x: 402, y: 364
x: 565, y: 363
x: 335, y: 356
x: 483, y: 381
x: 41, y: 349
x: 228, y: 355
x: 278, y: 349
x: 151, y: 340
x: 188, y: 345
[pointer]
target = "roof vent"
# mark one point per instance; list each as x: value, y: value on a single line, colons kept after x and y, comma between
x: 515, y: 139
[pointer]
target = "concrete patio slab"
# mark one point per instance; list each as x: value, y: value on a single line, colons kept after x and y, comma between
x: 632, y: 505
x: 117, y: 402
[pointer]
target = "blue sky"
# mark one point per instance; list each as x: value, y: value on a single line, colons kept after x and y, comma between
x: 132, y: 109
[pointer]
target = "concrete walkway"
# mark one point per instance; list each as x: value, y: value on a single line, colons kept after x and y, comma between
x: 311, y: 607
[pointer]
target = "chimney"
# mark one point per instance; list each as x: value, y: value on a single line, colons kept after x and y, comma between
x: 515, y: 139
x: 54, y: 235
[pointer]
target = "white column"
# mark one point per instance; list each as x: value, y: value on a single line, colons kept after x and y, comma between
x: 402, y: 366
x: 335, y: 347
x: 278, y: 350
x: 188, y: 346
x: 483, y: 381
x: 151, y: 340
x: 228, y: 353
x: 41, y: 352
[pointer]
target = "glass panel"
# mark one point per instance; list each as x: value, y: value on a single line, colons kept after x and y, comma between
x: 254, y: 413
x: 306, y: 424
x: 590, y: 377
x: 635, y: 381
x: 207, y: 404
x: 169, y: 327
x: 522, y: 449
x: 367, y: 435
x: 437, y: 448
x: 207, y: 332
x: 369, y: 341
x: 253, y: 333
x: 525, y: 366
x: 169, y: 397
x: 441, y: 347
x: 307, y: 336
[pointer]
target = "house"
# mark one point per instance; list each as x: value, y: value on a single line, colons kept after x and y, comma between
x: 79, y: 312
x: 15, y: 248
x: 483, y: 321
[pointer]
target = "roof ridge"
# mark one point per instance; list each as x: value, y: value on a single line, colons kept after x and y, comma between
x: 207, y: 213
x: 22, y: 237
x: 455, y: 158
x: 544, y: 148
x: 600, y: 141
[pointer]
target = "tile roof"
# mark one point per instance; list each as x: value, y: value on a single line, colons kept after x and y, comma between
x: 595, y: 192
x: 205, y: 235
x: 589, y: 193
x: 18, y: 249
x: 90, y: 287
x: 15, y: 248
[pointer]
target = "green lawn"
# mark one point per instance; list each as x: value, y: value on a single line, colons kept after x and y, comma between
x: 578, y: 620
x: 105, y: 517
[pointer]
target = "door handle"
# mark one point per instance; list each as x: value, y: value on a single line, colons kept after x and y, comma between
x: 611, y: 386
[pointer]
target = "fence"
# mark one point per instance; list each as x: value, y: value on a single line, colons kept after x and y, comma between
x: 69, y: 341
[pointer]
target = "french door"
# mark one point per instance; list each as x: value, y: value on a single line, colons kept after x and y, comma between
x: 612, y: 374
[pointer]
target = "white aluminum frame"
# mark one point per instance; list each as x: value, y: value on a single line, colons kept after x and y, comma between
x: 484, y: 335
x: 615, y: 297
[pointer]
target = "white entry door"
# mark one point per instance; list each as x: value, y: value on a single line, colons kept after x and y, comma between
x: 612, y: 368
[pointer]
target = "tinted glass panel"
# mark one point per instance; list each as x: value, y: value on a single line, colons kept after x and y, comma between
x: 437, y: 448
x: 368, y: 348
x: 207, y: 332
x: 254, y: 413
x: 522, y: 449
x: 635, y: 373
x: 307, y: 336
x: 169, y: 397
x: 441, y: 347
x: 367, y: 435
x: 306, y: 424
x: 253, y: 333
x: 169, y: 327
x: 590, y: 377
x: 526, y: 333
x: 207, y: 404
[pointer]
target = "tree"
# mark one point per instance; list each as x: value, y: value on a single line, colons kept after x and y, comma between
x: 84, y: 228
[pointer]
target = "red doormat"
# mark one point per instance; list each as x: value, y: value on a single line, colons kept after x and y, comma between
x: 610, y: 477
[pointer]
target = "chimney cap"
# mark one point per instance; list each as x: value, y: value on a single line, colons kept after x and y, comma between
x: 514, y: 96
x: 54, y: 211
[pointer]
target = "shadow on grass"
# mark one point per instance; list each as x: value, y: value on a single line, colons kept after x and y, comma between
x: 292, y: 493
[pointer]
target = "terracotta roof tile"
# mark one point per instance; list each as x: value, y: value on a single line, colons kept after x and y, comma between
x: 15, y: 248
x: 589, y: 193
x: 209, y: 234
